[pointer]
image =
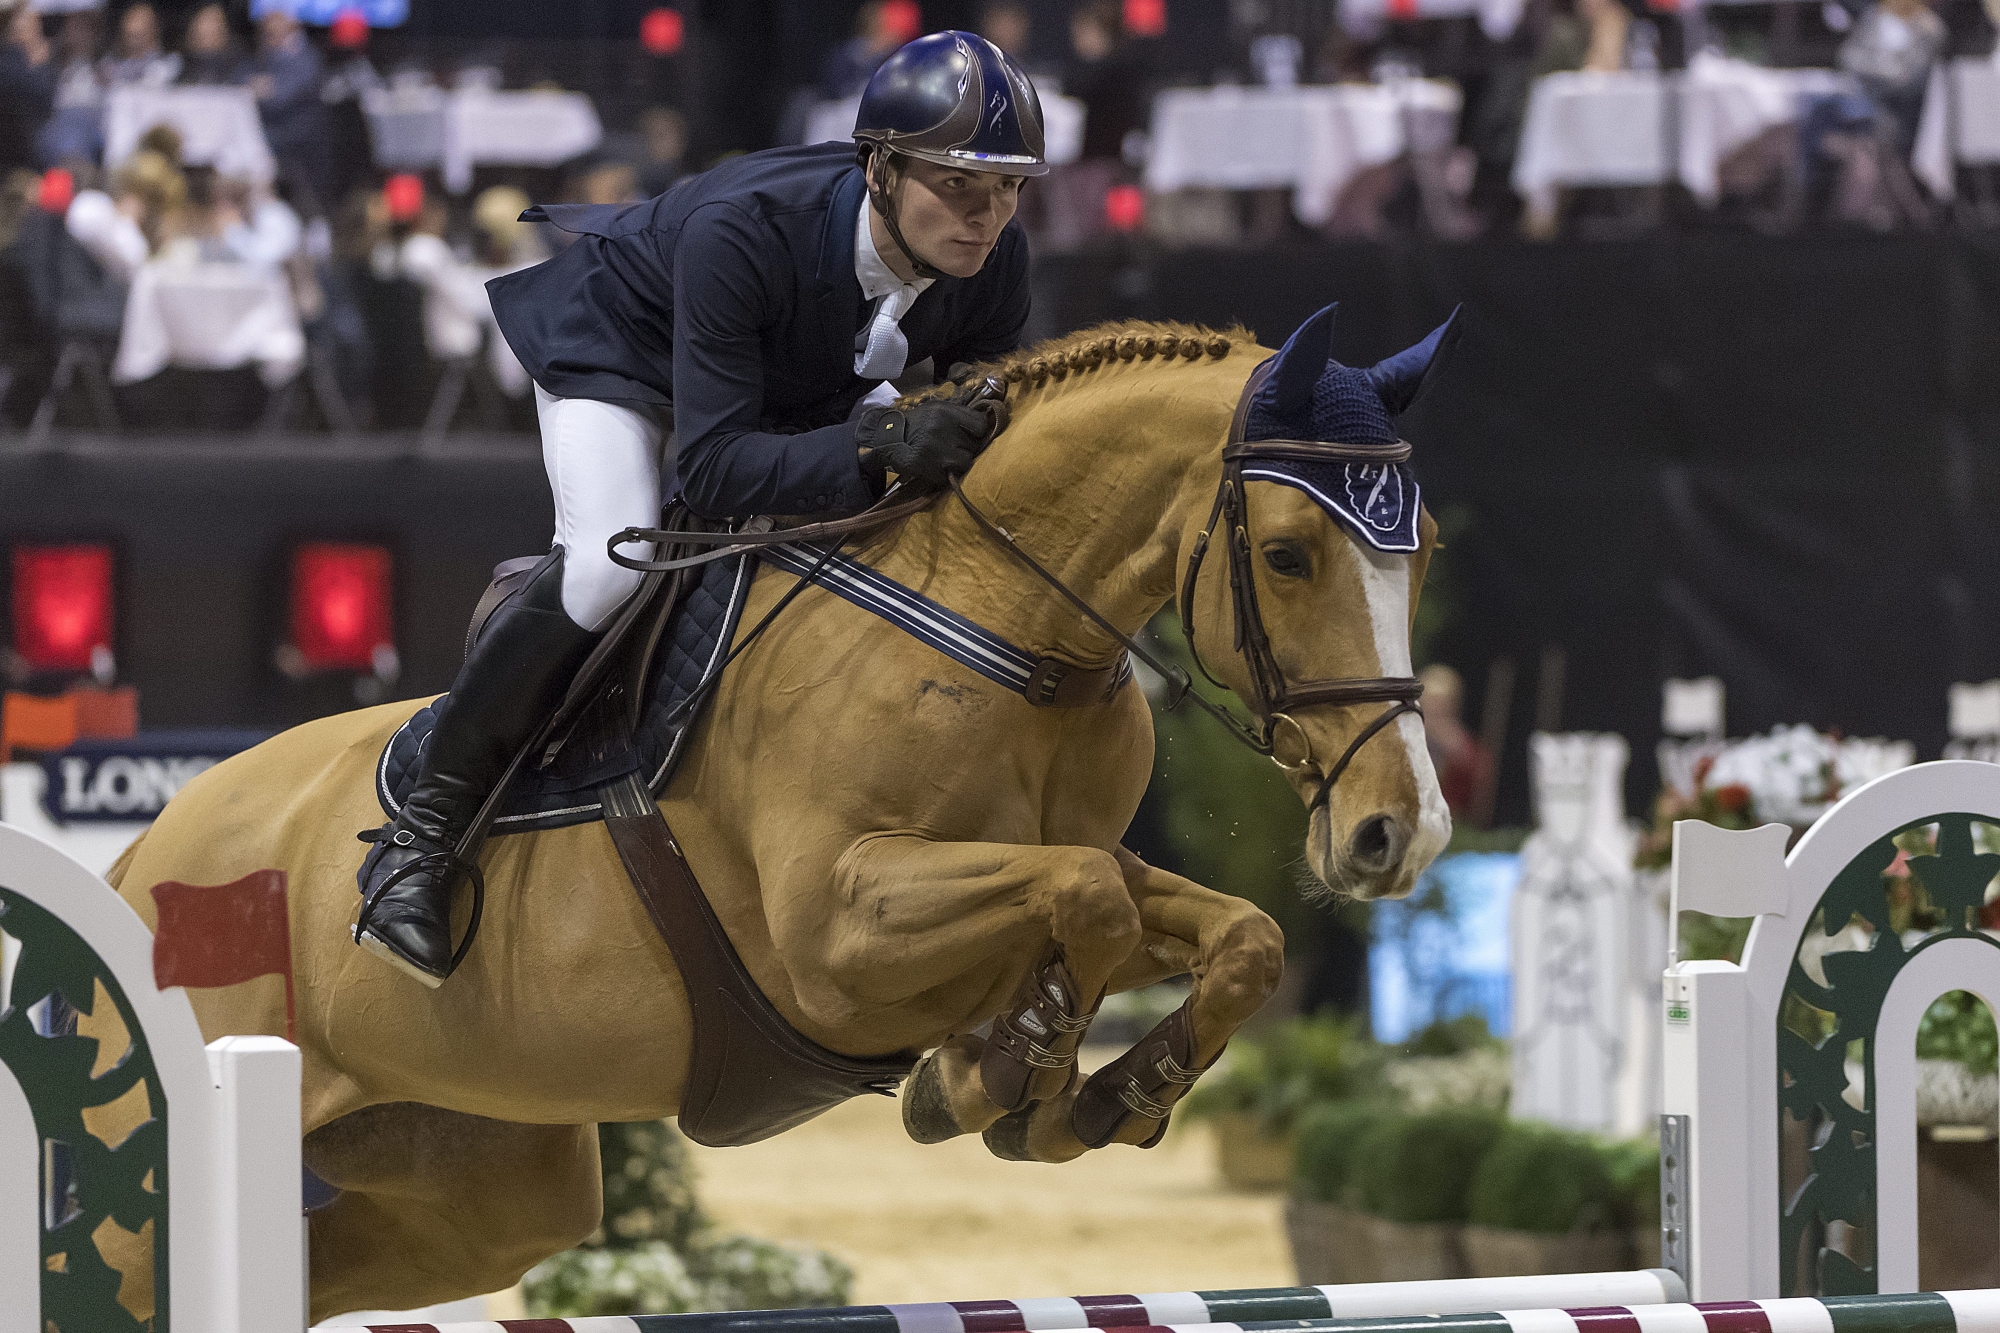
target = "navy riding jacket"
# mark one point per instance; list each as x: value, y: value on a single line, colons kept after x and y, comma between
x: 732, y: 299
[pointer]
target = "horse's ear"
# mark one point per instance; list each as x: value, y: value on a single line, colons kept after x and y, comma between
x: 1300, y: 362
x: 1400, y: 378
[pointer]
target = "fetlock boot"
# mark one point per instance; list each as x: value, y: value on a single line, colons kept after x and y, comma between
x: 514, y: 675
x: 1037, y: 1035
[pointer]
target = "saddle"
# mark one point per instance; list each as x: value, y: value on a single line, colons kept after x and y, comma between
x: 614, y: 750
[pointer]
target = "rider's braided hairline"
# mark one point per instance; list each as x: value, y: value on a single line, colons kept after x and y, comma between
x: 1055, y: 360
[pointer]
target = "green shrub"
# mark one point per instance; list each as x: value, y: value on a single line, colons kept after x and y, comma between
x: 1453, y: 1036
x: 1418, y: 1168
x: 1634, y: 1168
x: 1537, y: 1178
x: 1330, y: 1136
x: 1958, y: 1026
x: 1295, y: 1065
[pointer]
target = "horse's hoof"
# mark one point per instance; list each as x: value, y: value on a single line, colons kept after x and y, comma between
x: 1007, y: 1137
x: 927, y: 1116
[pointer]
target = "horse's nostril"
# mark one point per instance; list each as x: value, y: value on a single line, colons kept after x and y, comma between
x: 1377, y: 843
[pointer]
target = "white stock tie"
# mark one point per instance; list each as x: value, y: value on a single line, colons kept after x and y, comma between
x: 887, y: 349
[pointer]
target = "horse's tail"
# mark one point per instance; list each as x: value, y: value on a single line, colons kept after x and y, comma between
x: 115, y: 876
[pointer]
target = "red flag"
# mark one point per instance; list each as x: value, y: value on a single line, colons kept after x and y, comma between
x: 219, y: 935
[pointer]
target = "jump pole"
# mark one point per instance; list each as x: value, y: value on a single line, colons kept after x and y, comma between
x: 1359, y: 1300
x: 1922, y: 1312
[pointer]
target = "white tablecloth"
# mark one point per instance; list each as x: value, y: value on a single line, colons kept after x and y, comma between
x: 218, y: 127
x: 1591, y: 128
x: 1612, y: 128
x: 1972, y: 109
x: 1314, y: 139
x: 1062, y: 125
x: 209, y: 317
x: 415, y: 128
x: 1726, y: 103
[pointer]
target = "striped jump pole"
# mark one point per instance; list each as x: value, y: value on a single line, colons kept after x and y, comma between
x: 1359, y: 1300
x: 1924, y: 1312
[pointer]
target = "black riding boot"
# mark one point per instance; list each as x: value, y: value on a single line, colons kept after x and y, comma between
x: 515, y: 673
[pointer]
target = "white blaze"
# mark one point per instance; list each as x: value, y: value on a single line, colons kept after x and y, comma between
x: 1385, y: 582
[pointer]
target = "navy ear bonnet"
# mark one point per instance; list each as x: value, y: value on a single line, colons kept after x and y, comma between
x: 1309, y: 396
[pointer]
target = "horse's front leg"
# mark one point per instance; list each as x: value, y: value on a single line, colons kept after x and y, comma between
x: 1045, y: 926
x: 1237, y: 955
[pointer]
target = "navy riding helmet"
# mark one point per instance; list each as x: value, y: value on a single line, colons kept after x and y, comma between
x: 958, y: 100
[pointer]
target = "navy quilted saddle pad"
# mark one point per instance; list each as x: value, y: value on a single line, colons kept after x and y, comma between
x: 565, y: 791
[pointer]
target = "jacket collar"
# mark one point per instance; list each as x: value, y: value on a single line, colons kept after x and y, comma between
x: 836, y: 243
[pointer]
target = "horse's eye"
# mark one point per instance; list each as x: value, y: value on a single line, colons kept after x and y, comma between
x: 1287, y: 559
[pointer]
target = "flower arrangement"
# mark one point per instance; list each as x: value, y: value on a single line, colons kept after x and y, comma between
x: 656, y: 1252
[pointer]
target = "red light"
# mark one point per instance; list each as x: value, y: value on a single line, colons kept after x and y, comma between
x: 340, y: 605
x: 348, y: 31
x: 56, y: 191
x: 1146, y: 18
x: 403, y: 196
x: 1125, y: 207
x: 662, y: 31
x: 1402, y: 9
x: 902, y: 19
x: 62, y: 605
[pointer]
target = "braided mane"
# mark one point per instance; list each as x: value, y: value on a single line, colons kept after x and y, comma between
x: 1054, y: 361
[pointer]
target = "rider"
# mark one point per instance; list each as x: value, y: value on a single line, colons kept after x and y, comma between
x: 758, y: 313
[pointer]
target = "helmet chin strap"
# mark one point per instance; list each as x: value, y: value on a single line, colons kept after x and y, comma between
x: 884, y: 202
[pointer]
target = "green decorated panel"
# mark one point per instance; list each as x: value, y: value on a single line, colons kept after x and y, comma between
x: 91, y: 1189
x: 1925, y: 882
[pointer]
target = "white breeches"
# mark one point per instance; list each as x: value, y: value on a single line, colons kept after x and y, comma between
x: 604, y: 468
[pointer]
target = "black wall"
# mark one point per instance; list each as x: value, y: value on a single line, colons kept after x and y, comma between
x: 1777, y: 461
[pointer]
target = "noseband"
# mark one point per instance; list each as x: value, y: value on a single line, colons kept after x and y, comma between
x: 1272, y: 697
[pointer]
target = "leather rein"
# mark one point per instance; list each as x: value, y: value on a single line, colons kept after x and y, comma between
x: 1272, y: 695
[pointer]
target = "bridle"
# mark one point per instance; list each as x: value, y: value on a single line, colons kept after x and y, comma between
x: 1272, y: 696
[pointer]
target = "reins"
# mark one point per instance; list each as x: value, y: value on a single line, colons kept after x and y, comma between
x: 1272, y: 695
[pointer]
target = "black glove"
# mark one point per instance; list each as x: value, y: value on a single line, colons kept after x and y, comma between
x: 925, y: 443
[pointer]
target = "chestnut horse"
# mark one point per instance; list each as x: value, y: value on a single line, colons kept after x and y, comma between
x: 890, y: 839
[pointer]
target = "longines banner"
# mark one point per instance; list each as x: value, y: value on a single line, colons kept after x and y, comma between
x: 131, y: 780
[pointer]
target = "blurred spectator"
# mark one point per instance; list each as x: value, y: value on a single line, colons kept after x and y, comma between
x: 1594, y: 35
x: 1464, y: 768
x: 663, y: 134
x: 458, y: 317
x: 350, y: 78
x: 139, y: 58
x: 123, y: 228
x: 286, y: 81
x: 210, y: 53
x: 27, y: 85
x: 881, y: 27
x: 1105, y: 73
x: 75, y: 129
x: 1891, y: 51
x: 605, y: 182
x: 501, y: 240
x: 1007, y: 25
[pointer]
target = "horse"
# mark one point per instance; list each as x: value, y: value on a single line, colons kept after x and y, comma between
x: 890, y: 839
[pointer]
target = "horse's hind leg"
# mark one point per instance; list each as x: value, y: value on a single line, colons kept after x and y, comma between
x: 437, y: 1205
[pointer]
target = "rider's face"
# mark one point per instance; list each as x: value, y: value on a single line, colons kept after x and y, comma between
x: 952, y: 217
